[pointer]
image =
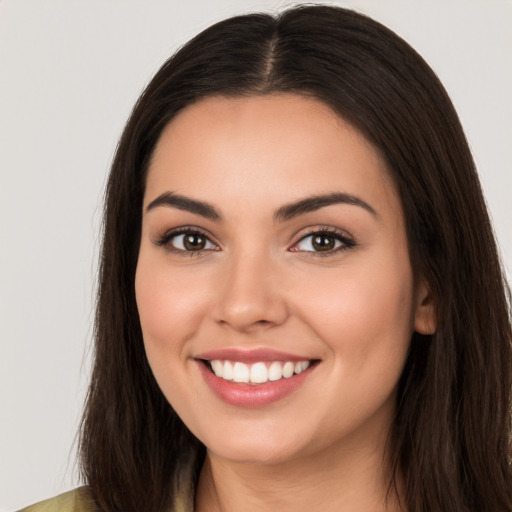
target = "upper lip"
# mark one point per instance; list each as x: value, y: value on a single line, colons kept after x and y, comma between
x: 249, y: 356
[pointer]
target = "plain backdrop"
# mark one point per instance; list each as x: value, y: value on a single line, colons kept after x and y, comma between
x: 70, y: 71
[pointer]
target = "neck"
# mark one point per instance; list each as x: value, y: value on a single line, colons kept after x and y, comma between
x: 335, y: 480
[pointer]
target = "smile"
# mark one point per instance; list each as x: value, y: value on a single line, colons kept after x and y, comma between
x: 253, y: 378
x: 258, y: 372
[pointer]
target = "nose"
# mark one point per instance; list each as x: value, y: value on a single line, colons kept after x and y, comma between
x: 251, y: 295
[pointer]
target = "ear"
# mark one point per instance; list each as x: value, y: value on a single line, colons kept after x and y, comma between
x: 425, y: 321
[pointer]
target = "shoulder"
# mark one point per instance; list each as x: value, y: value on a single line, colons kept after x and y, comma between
x: 77, y: 500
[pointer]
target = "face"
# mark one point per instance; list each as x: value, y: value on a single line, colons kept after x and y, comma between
x: 274, y: 287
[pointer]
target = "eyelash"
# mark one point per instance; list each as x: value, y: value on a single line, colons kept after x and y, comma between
x: 347, y: 242
x: 165, y: 239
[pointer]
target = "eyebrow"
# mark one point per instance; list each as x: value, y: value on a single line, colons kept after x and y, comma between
x: 286, y: 212
x: 311, y: 204
x: 185, y: 203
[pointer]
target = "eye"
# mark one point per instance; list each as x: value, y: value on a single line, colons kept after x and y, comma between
x: 324, y: 241
x: 191, y: 242
x: 186, y: 240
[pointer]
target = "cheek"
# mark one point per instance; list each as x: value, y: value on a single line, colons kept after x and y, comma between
x: 171, y: 305
x: 363, y: 314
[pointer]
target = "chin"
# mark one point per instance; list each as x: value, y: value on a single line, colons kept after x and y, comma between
x: 257, y: 447
x: 256, y: 455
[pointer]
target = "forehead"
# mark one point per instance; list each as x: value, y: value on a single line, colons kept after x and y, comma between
x: 267, y: 149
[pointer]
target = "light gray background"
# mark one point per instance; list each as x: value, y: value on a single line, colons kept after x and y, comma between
x: 70, y: 72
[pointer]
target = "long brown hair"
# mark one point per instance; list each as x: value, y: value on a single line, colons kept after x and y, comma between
x: 451, y: 438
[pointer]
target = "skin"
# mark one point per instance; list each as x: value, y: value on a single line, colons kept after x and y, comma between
x: 259, y: 284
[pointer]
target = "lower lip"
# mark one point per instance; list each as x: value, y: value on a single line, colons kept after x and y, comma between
x: 252, y: 395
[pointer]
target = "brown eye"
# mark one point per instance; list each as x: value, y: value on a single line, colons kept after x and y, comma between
x: 320, y: 242
x: 323, y: 243
x: 194, y: 242
x: 327, y: 242
x: 190, y: 241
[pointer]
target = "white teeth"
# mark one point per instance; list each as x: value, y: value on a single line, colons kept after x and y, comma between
x: 275, y: 371
x: 240, y: 372
x: 288, y: 370
x: 257, y: 373
x: 227, y: 371
x: 217, y: 367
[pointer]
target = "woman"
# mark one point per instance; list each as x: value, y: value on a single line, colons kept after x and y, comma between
x: 344, y: 342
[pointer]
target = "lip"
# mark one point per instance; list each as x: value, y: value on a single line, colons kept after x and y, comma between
x: 250, y: 356
x: 252, y: 395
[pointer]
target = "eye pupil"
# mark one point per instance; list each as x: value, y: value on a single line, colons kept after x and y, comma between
x: 194, y: 242
x: 323, y: 243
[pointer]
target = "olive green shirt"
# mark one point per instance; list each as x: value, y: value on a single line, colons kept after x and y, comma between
x: 79, y: 500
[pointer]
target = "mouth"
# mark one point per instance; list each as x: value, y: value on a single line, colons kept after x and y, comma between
x: 259, y: 372
x: 254, y: 378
